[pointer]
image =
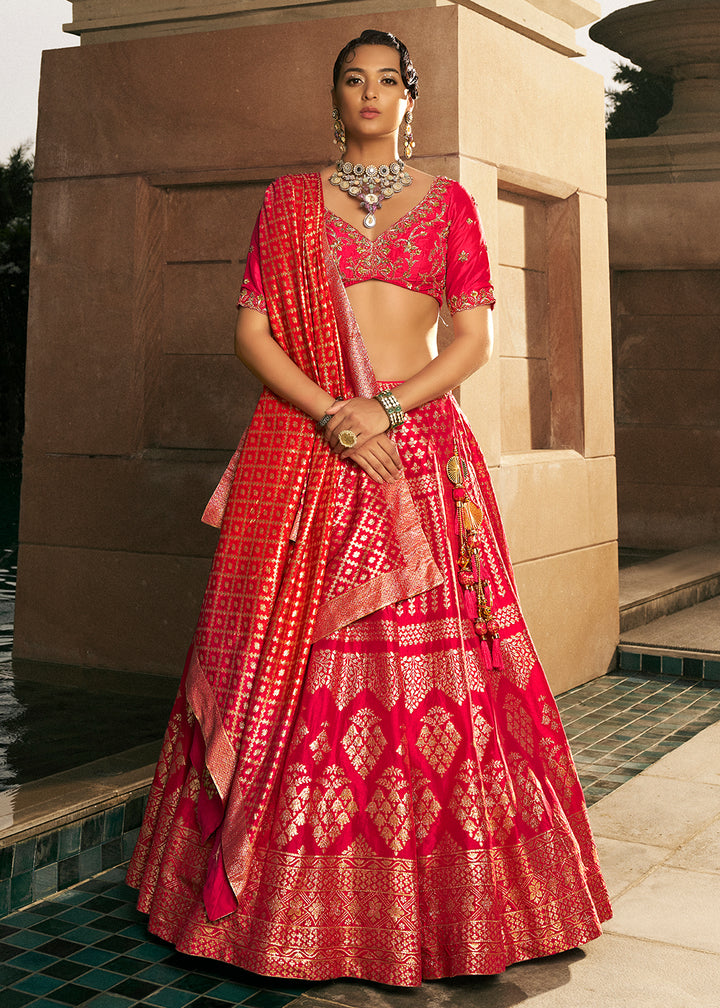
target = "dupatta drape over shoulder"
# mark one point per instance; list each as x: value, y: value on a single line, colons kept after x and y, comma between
x: 268, y: 596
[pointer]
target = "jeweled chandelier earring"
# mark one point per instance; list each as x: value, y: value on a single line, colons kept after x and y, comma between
x: 371, y: 184
x: 339, y: 132
x: 408, y: 139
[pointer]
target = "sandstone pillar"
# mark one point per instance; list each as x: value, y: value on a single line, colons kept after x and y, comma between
x: 663, y: 205
x: 156, y: 142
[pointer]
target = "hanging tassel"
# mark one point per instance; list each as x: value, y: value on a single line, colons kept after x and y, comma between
x: 497, y: 661
x: 472, y: 574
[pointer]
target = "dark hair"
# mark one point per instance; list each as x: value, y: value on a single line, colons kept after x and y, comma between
x: 372, y: 37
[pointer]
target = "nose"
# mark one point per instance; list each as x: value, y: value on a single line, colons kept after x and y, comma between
x: 370, y: 90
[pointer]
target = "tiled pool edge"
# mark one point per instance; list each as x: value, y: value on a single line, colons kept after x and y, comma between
x: 696, y: 665
x: 39, y: 866
x: 101, y: 835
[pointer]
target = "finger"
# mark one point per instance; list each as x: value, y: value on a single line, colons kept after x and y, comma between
x: 393, y: 452
x: 388, y: 457
x: 370, y: 470
x: 381, y: 449
x: 343, y: 420
x: 361, y: 443
x: 378, y: 465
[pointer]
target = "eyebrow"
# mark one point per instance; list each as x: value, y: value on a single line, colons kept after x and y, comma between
x: 363, y: 70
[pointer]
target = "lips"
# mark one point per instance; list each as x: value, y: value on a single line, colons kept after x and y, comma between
x: 369, y: 113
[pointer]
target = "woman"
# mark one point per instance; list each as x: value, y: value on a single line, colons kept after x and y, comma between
x: 364, y: 773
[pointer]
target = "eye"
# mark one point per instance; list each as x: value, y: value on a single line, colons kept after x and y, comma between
x: 353, y: 80
x: 389, y: 80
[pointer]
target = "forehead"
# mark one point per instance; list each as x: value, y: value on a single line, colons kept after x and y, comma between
x: 373, y: 57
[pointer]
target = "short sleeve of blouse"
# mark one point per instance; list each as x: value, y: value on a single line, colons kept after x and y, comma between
x: 251, y: 292
x: 467, y: 282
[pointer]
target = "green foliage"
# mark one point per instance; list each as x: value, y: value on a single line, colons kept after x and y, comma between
x: 16, y: 179
x: 635, y: 107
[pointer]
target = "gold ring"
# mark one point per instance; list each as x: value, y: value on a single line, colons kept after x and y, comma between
x: 347, y: 439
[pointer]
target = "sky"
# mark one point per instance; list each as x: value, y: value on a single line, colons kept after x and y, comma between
x: 29, y: 26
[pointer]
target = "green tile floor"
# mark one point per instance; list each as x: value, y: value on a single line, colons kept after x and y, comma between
x: 88, y: 947
x: 621, y: 724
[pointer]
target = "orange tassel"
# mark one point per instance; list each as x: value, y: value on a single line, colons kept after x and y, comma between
x: 471, y: 572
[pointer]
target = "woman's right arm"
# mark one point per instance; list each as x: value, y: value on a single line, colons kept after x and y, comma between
x: 259, y: 352
x: 261, y: 355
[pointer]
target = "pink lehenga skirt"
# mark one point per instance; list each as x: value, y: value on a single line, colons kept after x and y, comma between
x: 427, y: 820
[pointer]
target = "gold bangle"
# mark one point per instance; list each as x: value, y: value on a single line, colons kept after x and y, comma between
x: 392, y: 407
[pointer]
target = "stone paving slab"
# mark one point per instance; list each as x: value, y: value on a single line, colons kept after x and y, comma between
x: 655, y: 810
x: 611, y: 972
x: 702, y: 853
x: 675, y: 906
x: 655, y: 577
x: 695, y: 629
x: 625, y: 863
x: 697, y: 760
x: 658, y: 837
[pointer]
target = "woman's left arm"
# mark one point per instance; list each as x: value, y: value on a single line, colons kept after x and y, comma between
x: 469, y: 351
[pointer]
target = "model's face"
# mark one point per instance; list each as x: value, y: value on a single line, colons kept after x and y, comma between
x: 370, y: 95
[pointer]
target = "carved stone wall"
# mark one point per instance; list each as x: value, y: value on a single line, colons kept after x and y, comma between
x: 153, y: 154
x: 663, y: 207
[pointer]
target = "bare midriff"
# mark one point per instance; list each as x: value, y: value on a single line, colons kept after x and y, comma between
x: 398, y: 326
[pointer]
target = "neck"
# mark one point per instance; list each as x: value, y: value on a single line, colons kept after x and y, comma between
x: 371, y: 153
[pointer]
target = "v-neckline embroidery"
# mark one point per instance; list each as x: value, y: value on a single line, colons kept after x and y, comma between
x: 372, y: 241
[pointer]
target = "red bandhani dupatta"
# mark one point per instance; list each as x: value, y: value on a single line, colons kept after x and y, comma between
x: 269, y: 595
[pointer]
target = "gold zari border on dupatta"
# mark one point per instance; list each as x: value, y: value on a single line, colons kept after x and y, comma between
x: 266, y: 599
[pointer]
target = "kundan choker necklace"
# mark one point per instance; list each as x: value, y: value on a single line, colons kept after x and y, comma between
x: 371, y: 184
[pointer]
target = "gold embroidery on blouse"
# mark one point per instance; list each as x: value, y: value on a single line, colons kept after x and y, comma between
x: 463, y: 257
x: 427, y: 268
x: 250, y: 299
x: 473, y: 299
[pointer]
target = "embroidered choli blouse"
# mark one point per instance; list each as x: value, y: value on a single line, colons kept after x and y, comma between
x: 437, y: 248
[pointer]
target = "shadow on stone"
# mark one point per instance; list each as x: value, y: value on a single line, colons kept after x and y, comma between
x: 505, y: 990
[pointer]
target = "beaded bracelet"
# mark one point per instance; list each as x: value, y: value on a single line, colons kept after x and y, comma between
x: 326, y: 417
x: 392, y: 407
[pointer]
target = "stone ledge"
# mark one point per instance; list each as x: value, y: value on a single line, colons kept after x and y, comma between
x: 668, y: 584
x: 549, y: 22
x: 66, y: 828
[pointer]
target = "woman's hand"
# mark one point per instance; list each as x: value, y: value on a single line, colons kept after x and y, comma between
x: 364, y: 417
x: 378, y: 457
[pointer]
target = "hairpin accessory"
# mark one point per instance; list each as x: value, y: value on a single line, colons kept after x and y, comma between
x: 371, y: 184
